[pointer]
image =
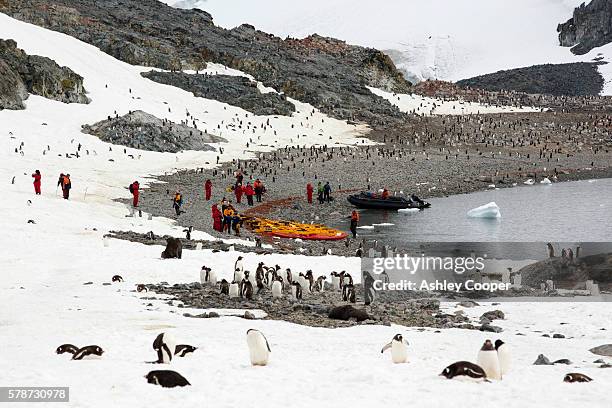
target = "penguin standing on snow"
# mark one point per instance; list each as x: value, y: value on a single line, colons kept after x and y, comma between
x: 488, y: 360
x: 399, y: 349
x: 238, y: 265
x: 165, y: 346
x: 503, y: 355
x: 259, y: 349
x: 207, y: 276
x: 464, y: 369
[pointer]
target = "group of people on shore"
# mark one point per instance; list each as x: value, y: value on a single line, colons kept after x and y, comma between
x: 227, y: 219
x: 323, y: 192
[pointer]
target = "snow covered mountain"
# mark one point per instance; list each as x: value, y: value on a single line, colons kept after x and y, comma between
x: 436, y: 39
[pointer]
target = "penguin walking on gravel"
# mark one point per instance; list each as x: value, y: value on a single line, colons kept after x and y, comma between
x: 259, y: 348
x: 277, y: 288
x: 399, y: 349
x: 503, y: 355
x: 489, y: 361
x: 165, y: 346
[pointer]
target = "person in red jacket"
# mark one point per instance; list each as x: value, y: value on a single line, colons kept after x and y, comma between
x: 135, y: 190
x: 37, y: 177
x: 249, y: 191
x: 208, y: 189
x: 309, y: 190
x: 238, y: 190
x: 216, y: 216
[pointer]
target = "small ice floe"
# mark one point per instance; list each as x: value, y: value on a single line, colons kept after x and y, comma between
x: 529, y: 182
x: 407, y: 211
x: 366, y: 227
x: 382, y: 225
x: 491, y: 186
x: 546, y: 181
x: 490, y: 210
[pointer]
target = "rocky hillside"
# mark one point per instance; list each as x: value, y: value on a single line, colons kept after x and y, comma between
x: 21, y: 74
x: 590, y: 27
x: 144, y: 131
x: 570, y: 274
x: 234, y: 90
x: 327, y: 73
x: 574, y: 79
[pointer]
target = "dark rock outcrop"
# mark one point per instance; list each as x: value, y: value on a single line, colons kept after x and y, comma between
x: 144, y: 131
x: 574, y: 79
x: 570, y: 274
x: 38, y: 75
x: 329, y: 74
x: 590, y: 27
x: 13, y: 91
x: 234, y: 90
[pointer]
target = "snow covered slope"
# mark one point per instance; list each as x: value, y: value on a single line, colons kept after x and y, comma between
x: 434, y: 39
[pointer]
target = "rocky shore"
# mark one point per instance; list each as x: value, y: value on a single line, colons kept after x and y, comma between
x: 431, y: 157
x: 410, y: 309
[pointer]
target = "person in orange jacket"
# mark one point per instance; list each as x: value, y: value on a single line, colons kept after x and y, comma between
x: 208, y: 189
x: 354, y: 223
x: 135, y: 190
x: 309, y: 190
x: 37, y: 177
x: 66, y: 186
x: 385, y: 194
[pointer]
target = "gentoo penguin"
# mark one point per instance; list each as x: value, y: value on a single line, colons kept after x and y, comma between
x: 247, y: 290
x: 346, y: 277
x: 576, y: 377
x: 238, y: 275
x: 503, y: 355
x: 183, y: 349
x: 464, y: 369
x: 166, y: 378
x: 320, y: 284
x: 207, y: 276
x: 225, y: 287
x: 335, y: 281
x: 88, y: 353
x: 277, y: 288
x: 296, y: 290
x: 303, y: 282
x: 234, y: 290
x: 67, y: 348
x: 141, y: 288
x: 399, y: 349
x: 348, y: 293
x: 165, y: 345
x: 252, y: 277
x: 288, y: 277
x: 117, y: 278
x: 238, y: 265
x: 488, y: 360
x: 309, y: 280
x: 259, y: 349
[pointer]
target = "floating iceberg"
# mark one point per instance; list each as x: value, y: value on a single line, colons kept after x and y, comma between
x: 406, y: 211
x: 490, y: 210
